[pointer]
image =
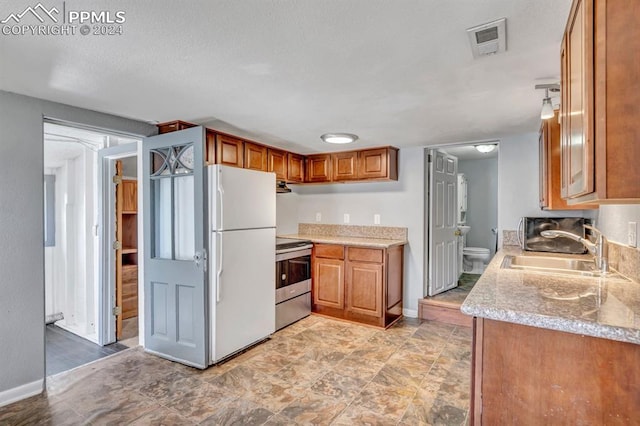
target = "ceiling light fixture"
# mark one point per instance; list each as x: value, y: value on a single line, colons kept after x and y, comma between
x: 485, y: 148
x: 339, y: 138
x: 547, y: 107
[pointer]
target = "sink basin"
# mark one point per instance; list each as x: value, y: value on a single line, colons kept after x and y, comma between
x: 554, y: 265
x: 464, y: 229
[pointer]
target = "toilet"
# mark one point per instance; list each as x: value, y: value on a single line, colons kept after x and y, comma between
x: 474, y: 259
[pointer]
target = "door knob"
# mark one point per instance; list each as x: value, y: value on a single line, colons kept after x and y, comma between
x: 457, y: 233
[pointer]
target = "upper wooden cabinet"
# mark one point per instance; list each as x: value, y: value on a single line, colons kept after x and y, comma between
x: 549, y: 140
x: 600, y: 112
x: 318, y: 168
x: 255, y: 157
x: 277, y: 163
x: 345, y: 165
x: 380, y: 163
x: 295, y: 170
x: 173, y: 126
x: 364, y: 165
x: 229, y: 151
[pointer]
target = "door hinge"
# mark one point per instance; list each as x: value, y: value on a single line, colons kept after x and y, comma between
x: 117, y: 310
x: 429, y: 160
x: 117, y: 245
x: 117, y: 179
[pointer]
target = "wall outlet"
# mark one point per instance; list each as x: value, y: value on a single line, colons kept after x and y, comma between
x: 633, y: 234
x: 346, y: 218
x: 318, y: 217
x: 376, y: 219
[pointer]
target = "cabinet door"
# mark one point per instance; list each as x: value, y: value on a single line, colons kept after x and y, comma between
x: 295, y: 169
x: 229, y: 151
x: 328, y: 283
x: 364, y: 288
x: 174, y: 126
x: 345, y: 166
x: 319, y: 168
x: 129, y: 196
x: 579, y: 149
x: 564, y: 121
x: 210, y: 147
x: 277, y: 163
x: 255, y: 157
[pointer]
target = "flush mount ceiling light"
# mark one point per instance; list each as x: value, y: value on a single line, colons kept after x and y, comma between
x: 485, y: 148
x: 340, y: 138
x: 547, y: 107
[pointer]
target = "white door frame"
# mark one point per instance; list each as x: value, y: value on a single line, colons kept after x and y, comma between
x: 107, y: 158
x: 428, y: 208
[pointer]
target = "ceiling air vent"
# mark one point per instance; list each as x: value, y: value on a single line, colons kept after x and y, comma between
x: 489, y: 38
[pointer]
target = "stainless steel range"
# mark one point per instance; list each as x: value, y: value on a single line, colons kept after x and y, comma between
x: 293, y: 280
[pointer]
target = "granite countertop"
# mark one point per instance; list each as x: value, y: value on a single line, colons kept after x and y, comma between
x: 348, y: 241
x: 600, y: 307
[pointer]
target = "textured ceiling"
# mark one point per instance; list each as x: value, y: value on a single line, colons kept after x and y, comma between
x: 284, y: 72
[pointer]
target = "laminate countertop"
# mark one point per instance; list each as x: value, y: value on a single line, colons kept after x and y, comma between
x: 348, y: 241
x: 593, y: 306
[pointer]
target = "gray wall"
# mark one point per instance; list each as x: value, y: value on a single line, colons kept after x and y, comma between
x: 21, y: 227
x: 518, y: 184
x: 482, y: 201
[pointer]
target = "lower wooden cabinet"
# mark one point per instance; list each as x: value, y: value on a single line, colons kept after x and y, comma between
x: 524, y: 375
x: 359, y: 284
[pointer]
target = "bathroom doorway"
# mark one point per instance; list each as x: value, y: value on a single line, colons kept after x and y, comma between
x: 74, y: 293
x: 474, y: 232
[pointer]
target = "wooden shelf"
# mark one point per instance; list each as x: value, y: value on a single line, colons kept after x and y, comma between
x: 129, y: 250
x: 129, y: 212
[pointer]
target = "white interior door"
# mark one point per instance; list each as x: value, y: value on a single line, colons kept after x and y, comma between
x: 442, y: 256
x: 175, y: 291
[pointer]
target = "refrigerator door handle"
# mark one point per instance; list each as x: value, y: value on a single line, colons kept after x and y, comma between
x: 219, y: 271
x: 520, y: 233
x: 220, y: 205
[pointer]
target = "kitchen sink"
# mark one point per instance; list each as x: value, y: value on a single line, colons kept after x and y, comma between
x: 554, y: 265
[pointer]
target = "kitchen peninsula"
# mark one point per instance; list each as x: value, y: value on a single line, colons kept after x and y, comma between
x: 357, y: 271
x: 554, y: 348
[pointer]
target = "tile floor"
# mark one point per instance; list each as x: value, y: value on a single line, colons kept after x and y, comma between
x: 66, y: 351
x: 457, y: 295
x: 317, y: 371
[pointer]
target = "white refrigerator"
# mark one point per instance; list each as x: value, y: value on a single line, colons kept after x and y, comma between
x: 242, y: 225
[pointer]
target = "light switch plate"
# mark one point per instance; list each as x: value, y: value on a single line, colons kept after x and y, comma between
x: 346, y: 218
x: 633, y: 234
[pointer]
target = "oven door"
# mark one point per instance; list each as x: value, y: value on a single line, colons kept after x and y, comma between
x: 292, y: 268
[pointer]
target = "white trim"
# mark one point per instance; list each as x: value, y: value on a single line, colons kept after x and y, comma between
x: 410, y: 313
x: 21, y: 392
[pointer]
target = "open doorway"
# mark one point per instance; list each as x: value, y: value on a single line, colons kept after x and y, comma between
x: 461, y: 222
x: 76, y: 296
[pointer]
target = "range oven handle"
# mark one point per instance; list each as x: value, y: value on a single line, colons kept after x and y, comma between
x: 293, y: 253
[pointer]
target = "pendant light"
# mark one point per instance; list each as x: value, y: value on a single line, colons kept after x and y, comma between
x: 547, y: 107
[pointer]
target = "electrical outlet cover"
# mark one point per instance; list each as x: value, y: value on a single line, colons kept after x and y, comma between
x: 633, y: 234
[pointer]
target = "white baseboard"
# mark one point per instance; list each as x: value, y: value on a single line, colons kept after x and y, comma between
x: 410, y: 313
x: 21, y: 392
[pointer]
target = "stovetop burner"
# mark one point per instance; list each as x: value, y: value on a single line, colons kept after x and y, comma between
x: 289, y: 243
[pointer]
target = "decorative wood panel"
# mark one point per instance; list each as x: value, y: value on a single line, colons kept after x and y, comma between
x: 295, y: 172
x: 345, y: 166
x: 229, y: 151
x: 331, y: 251
x: 277, y: 163
x: 129, y: 196
x: 255, y: 157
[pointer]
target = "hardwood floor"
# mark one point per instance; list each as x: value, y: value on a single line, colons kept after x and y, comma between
x: 317, y: 371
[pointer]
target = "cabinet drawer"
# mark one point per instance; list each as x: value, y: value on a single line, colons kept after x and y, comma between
x: 365, y: 254
x: 331, y: 251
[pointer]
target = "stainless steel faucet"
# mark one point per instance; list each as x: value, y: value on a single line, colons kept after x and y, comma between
x: 599, y: 249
